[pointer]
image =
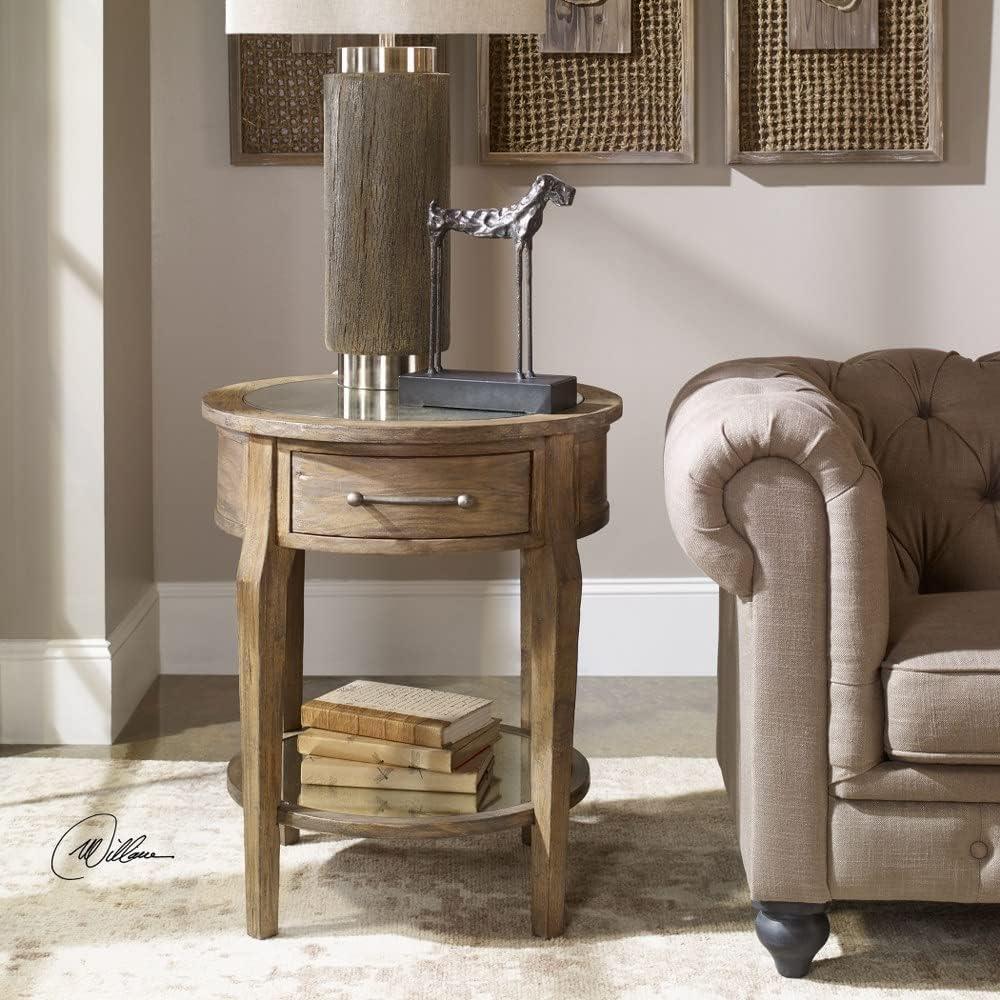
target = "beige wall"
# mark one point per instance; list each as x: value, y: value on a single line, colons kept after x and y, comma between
x: 75, y: 350
x: 51, y: 303
x: 128, y: 404
x: 655, y: 273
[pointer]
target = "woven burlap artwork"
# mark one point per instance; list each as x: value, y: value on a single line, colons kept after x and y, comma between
x: 587, y: 103
x: 281, y: 95
x: 845, y: 99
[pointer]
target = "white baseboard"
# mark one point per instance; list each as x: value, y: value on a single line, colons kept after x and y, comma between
x: 79, y: 690
x: 651, y: 627
x: 135, y: 658
x: 84, y: 690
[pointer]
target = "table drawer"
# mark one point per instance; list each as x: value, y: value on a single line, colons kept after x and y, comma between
x: 352, y: 496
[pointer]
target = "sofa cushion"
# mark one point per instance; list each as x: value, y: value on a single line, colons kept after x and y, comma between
x: 942, y: 679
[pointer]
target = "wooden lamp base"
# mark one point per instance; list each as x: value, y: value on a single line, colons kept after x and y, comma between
x: 386, y: 157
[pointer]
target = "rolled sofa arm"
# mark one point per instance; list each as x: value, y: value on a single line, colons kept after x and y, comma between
x: 772, y: 492
x: 734, y: 414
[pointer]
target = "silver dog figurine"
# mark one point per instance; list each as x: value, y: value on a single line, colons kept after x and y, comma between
x: 518, y: 222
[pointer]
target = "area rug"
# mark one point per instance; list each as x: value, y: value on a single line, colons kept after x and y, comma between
x: 657, y: 899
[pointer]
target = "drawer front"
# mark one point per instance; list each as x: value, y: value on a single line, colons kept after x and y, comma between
x: 496, y: 492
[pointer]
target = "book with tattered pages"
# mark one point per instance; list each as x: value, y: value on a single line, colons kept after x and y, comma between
x: 355, y: 774
x: 367, y: 749
x: 399, y: 713
x: 398, y: 803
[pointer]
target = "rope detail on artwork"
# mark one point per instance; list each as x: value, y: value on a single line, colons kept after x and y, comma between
x: 834, y: 99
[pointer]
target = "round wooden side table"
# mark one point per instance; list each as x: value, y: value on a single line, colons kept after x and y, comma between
x: 306, y: 465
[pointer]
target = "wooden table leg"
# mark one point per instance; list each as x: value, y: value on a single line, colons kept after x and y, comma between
x: 291, y: 693
x: 261, y: 603
x: 551, y: 575
x: 527, y: 646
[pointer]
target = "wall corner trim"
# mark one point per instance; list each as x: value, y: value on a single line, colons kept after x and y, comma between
x: 59, y: 691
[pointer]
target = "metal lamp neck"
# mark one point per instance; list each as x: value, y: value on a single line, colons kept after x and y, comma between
x: 389, y: 58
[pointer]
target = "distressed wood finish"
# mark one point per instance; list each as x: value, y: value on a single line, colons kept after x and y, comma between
x: 601, y: 26
x: 592, y: 503
x: 291, y: 684
x: 547, y: 476
x: 261, y: 594
x: 552, y: 578
x: 230, y: 485
x: 499, y: 486
x: 386, y: 159
x: 589, y: 422
x: 405, y: 546
x: 934, y: 153
x: 527, y: 653
x: 813, y: 24
x: 684, y: 155
x: 592, y: 484
x: 227, y: 407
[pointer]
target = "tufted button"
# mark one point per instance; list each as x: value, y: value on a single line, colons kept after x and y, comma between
x: 979, y: 850
x: 924, y: 409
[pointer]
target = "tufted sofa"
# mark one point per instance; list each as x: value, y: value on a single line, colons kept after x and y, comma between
x: 850, y: 513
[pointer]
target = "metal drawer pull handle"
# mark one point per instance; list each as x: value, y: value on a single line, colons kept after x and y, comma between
x: 463, y: 500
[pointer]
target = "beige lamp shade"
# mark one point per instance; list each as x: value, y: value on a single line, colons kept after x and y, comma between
x: 404, y: 17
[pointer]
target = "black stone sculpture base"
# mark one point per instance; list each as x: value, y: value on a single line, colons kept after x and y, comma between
x: 501, y: 391
x: 793, y: 933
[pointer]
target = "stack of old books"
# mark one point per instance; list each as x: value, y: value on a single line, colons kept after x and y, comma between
x: 390, y: 750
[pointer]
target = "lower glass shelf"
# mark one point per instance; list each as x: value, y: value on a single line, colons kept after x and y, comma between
x: 510, y: 807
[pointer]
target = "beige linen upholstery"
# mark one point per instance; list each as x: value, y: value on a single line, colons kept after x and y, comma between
x: 829, y: 500
x: 769, y: 757
x: 942, y: 679
x: 934, y: 851
x: 771, y: 491
x: 904, y: 782
x: 932, y: 422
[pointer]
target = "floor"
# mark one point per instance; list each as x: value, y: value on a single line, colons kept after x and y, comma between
x: 659, y: 897
x: 197, y: 717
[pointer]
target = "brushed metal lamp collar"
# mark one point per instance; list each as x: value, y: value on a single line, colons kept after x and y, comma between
x: 387, y: 58
x: 376, y: 371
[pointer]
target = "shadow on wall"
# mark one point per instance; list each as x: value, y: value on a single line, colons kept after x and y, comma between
x: 968, y: 41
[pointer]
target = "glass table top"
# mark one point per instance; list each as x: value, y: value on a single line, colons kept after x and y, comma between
x: 323, y: 398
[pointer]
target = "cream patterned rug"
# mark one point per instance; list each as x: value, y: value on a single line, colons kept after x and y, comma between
x: 657, y: 901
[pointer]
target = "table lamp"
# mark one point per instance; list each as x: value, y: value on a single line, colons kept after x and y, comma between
x: 386, y: 157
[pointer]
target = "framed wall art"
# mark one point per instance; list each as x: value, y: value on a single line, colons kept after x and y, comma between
x: 634, y: 104
x: 276, y: 94
x: 827, y: 81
